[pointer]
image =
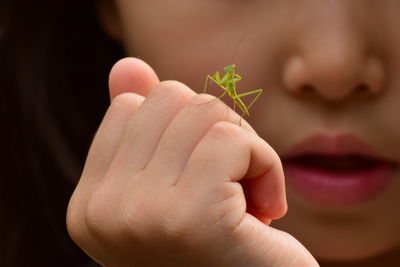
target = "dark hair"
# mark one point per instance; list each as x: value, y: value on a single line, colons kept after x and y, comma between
x: 54, y: 64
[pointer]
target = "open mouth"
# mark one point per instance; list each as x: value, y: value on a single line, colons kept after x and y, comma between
x: 337, y: 169
x: 337, y: 164
x: 338, y: 180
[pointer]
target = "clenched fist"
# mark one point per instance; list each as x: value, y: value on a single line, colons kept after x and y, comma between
x: 162, y: 182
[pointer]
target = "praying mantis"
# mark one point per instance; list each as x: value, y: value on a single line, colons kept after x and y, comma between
x: 228, y: 84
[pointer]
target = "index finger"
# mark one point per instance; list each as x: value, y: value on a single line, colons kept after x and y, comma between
x: 229, y: 154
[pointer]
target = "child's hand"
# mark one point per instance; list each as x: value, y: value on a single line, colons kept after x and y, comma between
x: 161, y: 182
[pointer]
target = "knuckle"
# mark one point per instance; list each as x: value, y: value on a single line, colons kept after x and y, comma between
x: 176, y: 228
x: 224, y: 130
x: 136, y: 217
x: 174, y: 89
x: 228, y: 210
x: 179, y: 222
x: 208, y: 107
x: 74, y: 223
x: 203, y: 98
x: 126, y: 101
x: 110, y: 218
x: 98, y: 211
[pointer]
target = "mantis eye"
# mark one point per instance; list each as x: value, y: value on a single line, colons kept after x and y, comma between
x: 230, y: 68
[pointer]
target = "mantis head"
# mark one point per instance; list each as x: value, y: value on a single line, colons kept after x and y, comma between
x: 230, y: 68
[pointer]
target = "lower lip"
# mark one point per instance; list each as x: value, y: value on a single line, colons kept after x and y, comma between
x: 334, y: 188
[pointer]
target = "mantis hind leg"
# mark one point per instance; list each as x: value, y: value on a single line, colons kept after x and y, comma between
x: 245, y: 110
x: 258, y: 92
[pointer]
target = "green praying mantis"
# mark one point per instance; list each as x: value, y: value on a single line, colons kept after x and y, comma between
x: 228, y: 84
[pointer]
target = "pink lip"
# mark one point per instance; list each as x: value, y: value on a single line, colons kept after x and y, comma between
x: 333, y: 145
x: 328, y: 187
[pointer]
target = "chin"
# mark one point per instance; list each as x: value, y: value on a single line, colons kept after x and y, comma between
x: 345, y: 253
x: 337, y: 236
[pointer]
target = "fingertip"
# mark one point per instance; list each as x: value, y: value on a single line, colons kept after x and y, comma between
x: 266, y: 196
x: 131, y: 75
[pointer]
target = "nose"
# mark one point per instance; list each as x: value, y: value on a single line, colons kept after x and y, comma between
x: 334, y: 63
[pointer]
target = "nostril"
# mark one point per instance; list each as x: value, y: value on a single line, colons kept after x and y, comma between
x: 307, y: 88
x: 361, y: 89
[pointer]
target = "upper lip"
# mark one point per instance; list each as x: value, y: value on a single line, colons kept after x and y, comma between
x: 334, y: 145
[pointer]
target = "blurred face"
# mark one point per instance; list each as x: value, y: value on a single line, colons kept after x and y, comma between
x: 330, y: 108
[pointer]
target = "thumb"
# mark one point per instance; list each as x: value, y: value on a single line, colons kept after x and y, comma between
x: 131, y: 75
x: 273, y: 247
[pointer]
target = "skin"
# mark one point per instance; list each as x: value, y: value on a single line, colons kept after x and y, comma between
x: 327, y: 62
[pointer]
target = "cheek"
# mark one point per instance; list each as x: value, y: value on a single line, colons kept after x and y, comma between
x: 183, y: 42
x: 172, y: 58
x: 154, y: 31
